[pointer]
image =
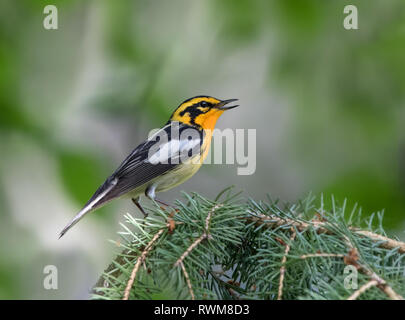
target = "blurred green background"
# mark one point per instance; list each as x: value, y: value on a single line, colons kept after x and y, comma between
x: 327, y: 103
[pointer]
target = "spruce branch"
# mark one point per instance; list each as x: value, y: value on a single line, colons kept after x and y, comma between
x: 380, y: 282
x: 320, y: 227
x: 190, y: 288
x: 385, y: 242
x: 322, y: 255
x: 363, y: 288
x: 205, y: 235
x: 283, y: 261
x: 256, y: 250
x: 139, y: 262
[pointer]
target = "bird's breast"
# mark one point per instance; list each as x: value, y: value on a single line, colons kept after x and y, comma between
x: 180, y: 174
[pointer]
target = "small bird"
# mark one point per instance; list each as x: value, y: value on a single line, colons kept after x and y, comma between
x: 166, y: 159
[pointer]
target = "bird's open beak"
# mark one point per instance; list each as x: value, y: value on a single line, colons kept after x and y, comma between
x: 222, y: 104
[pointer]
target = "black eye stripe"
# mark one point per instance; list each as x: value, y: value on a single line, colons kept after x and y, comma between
x: 193, y: 111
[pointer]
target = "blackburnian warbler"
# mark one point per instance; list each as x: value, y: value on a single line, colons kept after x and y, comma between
x: 166, y: 159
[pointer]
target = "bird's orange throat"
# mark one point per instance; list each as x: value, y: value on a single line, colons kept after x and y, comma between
x: 208, y: 120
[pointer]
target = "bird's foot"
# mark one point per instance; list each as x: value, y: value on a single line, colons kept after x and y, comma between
x: 166, y: 205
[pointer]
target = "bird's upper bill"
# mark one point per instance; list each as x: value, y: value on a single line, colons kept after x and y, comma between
x: 222, y: 105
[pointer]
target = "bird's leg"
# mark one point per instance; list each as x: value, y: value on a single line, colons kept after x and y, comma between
x: 151, y: 194
x: 138, y: 204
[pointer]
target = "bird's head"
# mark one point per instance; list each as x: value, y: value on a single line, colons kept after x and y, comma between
x: 201, y: 111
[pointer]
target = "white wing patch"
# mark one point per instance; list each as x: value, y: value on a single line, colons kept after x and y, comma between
x: 174, y: 151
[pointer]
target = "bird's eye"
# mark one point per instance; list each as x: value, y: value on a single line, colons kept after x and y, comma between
x: 204, y: 104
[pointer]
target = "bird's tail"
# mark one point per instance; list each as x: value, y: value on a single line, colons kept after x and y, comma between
x: 101, y: 197
x: 75, y: 220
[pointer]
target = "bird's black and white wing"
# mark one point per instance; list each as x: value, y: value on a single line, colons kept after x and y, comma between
x: 158, y: 155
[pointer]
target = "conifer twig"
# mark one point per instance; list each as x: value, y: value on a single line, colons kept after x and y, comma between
x: 274, y: 221
x: 283, y: 261
x: 193, y: 245
x: 140, y: 260
x: 204, y: 235
x: 190, y: 288
x: 362, y: 289
x: 315, y: 255
x: 381, y: 283
x: 352, y: 258
x: 190, y: 248
x: 387, y: 243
